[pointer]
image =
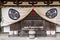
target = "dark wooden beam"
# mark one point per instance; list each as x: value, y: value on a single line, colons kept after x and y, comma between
x: 29, y: 0
x: 31, y: 5
x: 17, y: 2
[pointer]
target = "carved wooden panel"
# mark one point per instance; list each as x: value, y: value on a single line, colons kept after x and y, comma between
x: 49, y: 25
x: 15, y: 26
x: 33, y: 21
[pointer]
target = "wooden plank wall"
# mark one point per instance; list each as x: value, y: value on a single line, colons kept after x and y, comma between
x: 49, y: 25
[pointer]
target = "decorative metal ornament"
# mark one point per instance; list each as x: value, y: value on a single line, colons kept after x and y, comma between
x: 52, y: 13
x: 13, y: 14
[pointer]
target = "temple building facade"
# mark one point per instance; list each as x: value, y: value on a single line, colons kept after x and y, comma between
x: 30, y: 18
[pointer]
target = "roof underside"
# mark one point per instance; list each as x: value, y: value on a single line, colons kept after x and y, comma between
x: 30, y: 0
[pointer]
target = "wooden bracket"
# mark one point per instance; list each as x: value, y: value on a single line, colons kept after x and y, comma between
x: 48, y: 2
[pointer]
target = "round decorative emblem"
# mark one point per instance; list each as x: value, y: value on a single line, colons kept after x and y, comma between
x: 52, y: 13
x: 13, y: 14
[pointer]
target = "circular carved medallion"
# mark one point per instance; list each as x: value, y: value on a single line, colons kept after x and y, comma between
x: 13, y: 14
x: 52, y: 13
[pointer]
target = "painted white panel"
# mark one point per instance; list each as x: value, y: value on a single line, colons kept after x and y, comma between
x: 42, y: 12
x: 6, y: 29
x: 58, y: 29
x: 25, y: 11
x: 6, y: 20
